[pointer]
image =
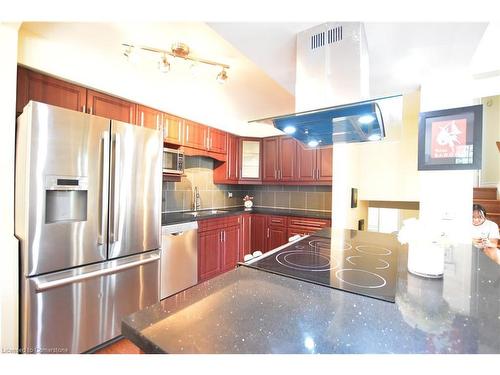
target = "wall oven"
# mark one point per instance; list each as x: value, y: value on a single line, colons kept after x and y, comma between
x: 173, y: 161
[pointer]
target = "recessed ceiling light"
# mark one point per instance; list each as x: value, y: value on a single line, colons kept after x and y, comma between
x: 366, y: 119
x: 313, y: 143
x: 289, y: 129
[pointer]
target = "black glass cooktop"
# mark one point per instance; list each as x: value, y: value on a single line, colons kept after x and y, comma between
x: 359, y: 262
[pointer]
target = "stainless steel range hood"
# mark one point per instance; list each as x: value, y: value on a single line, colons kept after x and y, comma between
x: 349, y: 123
x: 332, y: 69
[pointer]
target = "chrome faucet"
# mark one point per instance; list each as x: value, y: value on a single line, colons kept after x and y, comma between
x: 197, y: 202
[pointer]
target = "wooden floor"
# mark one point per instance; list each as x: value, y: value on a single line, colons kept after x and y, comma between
x: 122, y: 346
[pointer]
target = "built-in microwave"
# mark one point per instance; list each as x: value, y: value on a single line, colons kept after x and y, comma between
x: 173, y: 161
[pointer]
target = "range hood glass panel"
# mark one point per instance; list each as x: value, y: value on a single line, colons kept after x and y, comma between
x: 360, y: 122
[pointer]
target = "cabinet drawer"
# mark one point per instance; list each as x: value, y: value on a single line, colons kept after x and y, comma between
x: 218, y: 223
x: 276, y: 221
x: 302, y: 222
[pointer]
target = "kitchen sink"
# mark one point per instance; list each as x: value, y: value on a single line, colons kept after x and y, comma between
x: 205, y: 213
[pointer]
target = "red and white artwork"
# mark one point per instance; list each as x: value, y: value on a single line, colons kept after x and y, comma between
x: 449, y: 139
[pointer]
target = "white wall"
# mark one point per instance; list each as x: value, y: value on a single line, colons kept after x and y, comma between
x: 8, y: 243
x: 389, y: 168
x: 490, y: 172
x: 446, y: 196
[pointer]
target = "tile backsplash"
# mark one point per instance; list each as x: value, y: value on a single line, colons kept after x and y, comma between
x: 179, y: 196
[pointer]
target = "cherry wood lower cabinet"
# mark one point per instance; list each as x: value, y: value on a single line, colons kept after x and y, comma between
x: 219, y: 243
x: 259, y: 233
x: 209, y: 255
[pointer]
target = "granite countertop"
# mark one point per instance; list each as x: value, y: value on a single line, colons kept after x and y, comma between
x: 251, y: 311
x: 182, y: 217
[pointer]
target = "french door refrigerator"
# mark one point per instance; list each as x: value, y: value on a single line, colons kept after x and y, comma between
x: 88, y: 217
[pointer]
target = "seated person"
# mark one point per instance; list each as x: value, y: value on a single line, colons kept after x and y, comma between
x: 484, y: 232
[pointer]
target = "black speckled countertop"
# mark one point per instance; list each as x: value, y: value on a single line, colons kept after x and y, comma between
x: 183, y: 217
x: 251, y: 311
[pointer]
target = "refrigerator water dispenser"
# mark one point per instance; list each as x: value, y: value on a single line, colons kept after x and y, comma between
x: 65, y: 199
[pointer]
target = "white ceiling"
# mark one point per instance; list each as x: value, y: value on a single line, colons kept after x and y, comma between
x: 401, y: 54
x: 262, y: 56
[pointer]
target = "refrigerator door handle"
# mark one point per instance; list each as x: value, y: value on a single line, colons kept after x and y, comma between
x: 104, y: 180
x: 115, y: 189
x: 43, y: 286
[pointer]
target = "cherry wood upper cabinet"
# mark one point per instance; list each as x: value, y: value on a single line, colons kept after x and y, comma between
x: 227, y: 172
x: 287, y: 155
x: 324, y: 161
x: 306, y: 163
x: 195, y: 135
x: 110, y: 107
x: 270, y: 155
x: 148, y: 117
x: 250, y: 157
x: 216, y: 141
x: 41, y: 88
x: 172, y: 129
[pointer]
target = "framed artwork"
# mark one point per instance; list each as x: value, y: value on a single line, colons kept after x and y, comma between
x: 354, y: 197
x: 450, y: 139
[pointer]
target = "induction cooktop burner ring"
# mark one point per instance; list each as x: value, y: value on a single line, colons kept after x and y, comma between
x: 361, y: 247
x: 299, y: 267
x: 326, y: 245
x: 384, y: 282
x: 386, y: 265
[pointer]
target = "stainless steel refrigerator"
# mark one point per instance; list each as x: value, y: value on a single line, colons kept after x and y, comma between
x: 88, y: 217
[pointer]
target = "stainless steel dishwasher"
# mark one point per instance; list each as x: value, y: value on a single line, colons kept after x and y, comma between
x: 179, y: 257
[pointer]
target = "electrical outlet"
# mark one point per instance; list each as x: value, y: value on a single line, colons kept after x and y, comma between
x: 229, y: 194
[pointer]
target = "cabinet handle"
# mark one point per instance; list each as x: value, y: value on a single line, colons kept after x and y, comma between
x: 187, y: 133
x: 165, y: 127
x: 267, y: 232
x: 275, y: 177
x: 224, y: 236
x: 84, y: 108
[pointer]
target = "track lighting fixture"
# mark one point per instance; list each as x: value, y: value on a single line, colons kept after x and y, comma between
x: 177, y: 50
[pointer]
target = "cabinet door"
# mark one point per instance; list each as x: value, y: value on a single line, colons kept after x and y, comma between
x: 259, y: 233
x: 249, y: 155
x: 195, y: 135
x: 246, y: 237
x: 209, y: 254
x: 232, y: 157
x: 172, y: 129
x: 216, y: 140
x: 287, y: 152
x: 227, y: 172
x: 148, y: 117
x: 306, y: 163
x: 230, y: 247
x: 45, y: 89
x: 270, y: 159
x: 110, y: 107
x: 324, y: 164
x: 276, y: 236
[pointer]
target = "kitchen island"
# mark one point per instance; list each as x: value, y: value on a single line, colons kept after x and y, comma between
x: 251, y: 311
